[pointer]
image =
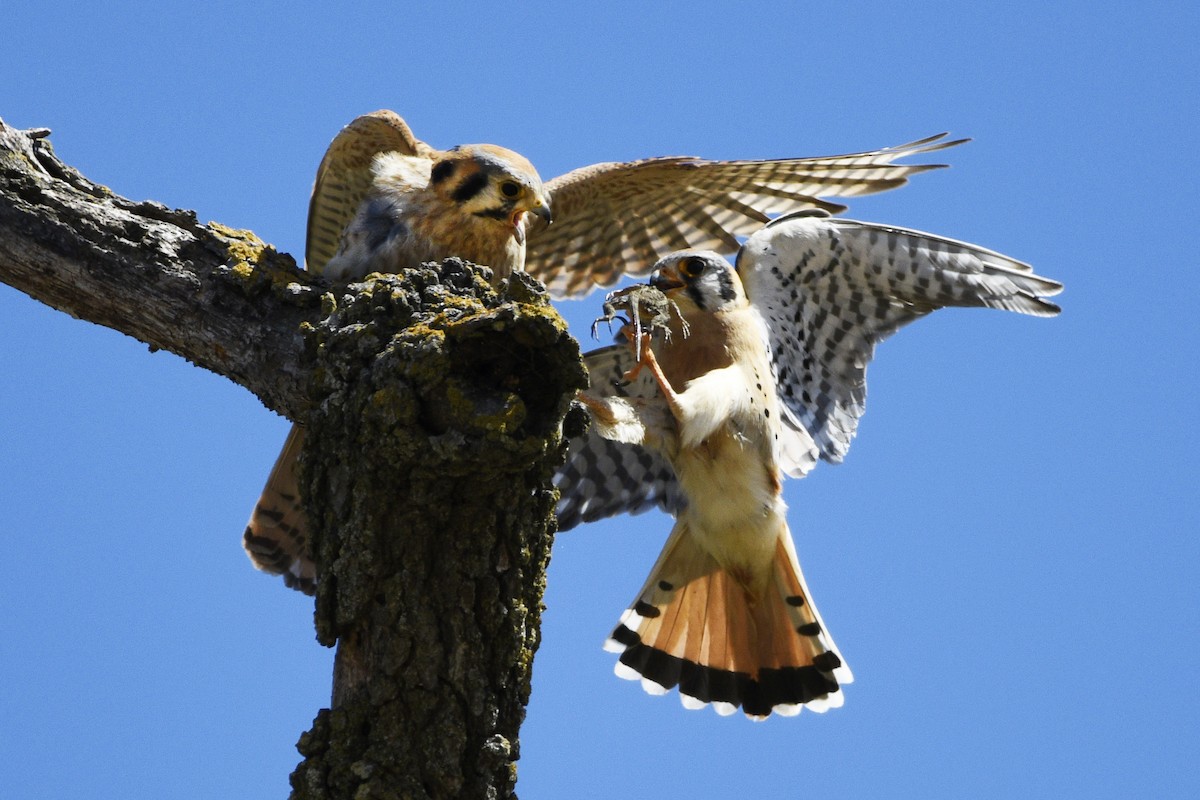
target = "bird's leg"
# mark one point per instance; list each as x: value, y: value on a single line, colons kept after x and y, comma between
x: 598, y: 408
x: 647, y: 360
x: 640, y: 344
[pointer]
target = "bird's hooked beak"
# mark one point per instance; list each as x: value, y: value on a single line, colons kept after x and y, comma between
x: 541, y: 208
x: 666, y: 278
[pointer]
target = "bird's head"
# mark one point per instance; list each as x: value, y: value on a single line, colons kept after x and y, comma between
x: 491, y: 183
x: 698, y: 278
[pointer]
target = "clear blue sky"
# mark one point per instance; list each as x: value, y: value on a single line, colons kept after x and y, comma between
x: 1008, y: 558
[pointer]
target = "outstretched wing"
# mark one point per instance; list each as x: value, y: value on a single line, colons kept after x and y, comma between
x: 344, y: 178
x: 602, y: 478
x: 620, y: 218
x: 831, y: 289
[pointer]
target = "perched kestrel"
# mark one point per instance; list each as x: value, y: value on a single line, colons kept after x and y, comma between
x: 384, y: 200
x: 762, y: 371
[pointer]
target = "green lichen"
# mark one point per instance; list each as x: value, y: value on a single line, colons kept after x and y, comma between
x: 503, y: 417
x: 245, y: 249
x: 429, y: 333
x: 393, y: 404
x: 253, y: 261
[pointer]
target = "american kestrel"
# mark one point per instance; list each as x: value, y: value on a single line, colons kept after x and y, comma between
x: 384, y: 200
x: 762, y: 372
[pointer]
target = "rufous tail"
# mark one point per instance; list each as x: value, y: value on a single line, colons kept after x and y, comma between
x: 276, y: 537
x: 698, y: 626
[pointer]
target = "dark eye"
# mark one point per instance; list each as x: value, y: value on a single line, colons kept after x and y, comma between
x: 691, y: 267
x: 509, y: 189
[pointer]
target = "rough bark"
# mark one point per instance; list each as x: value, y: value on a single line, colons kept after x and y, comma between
x: 434, y: 410
x: 433, y: 587
x: 219, y: 297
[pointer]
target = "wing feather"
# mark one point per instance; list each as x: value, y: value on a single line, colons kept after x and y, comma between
x: 831, y: 289
x: 671, y: 202
x: 344, y: 178
x: 602, y: 478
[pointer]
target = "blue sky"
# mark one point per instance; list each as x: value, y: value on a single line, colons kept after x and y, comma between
x: 1008, y: 558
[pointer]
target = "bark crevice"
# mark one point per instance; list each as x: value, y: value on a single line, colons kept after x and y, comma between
x: 434, y: 410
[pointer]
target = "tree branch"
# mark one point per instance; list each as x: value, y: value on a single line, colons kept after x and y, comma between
x: 434, y: 411
x: 219, y: 297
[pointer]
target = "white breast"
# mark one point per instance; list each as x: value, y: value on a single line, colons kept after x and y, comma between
x: 727, y: 469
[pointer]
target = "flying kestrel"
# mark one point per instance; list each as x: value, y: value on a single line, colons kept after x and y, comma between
x: 761, y: 371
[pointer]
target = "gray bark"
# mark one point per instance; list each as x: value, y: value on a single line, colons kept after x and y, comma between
x: 434, y: 410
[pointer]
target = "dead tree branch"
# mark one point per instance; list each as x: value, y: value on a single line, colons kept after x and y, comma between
x: 434, y: 412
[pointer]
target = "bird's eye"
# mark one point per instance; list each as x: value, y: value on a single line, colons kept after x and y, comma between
x: 509, y: 189
x: 691, y: 267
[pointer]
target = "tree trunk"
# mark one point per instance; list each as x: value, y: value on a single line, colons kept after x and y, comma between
x: 434, y: 412
x: 428, y: 459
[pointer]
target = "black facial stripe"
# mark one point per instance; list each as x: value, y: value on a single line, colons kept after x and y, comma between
x: 724, y: 285
x: 494, y: 213
x: 441, y: 171
x: 726, y: 290
x: 473, y: 185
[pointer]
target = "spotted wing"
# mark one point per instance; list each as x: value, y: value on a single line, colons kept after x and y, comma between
x: 344, y: 177
x: 602, y: 478
x: 831, y: 289
x: 618, y: 219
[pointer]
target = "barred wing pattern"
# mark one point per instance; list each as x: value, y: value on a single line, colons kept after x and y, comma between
x: 603, y: 478
x: 618, y: 219
x: 344, y: 178
x: 831, y: 289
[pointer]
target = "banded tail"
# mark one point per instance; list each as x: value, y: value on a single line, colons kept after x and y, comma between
x: 698, y: 626
x: 276, y: 537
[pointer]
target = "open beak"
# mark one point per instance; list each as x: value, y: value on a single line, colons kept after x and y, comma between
x: 665, y: 278
x: 540, y: 208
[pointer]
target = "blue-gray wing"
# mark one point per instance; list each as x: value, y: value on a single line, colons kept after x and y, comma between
x: 602, y: 478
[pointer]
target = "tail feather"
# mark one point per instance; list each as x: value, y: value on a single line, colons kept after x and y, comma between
x: 276, y: 537
x: 707, y: 630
